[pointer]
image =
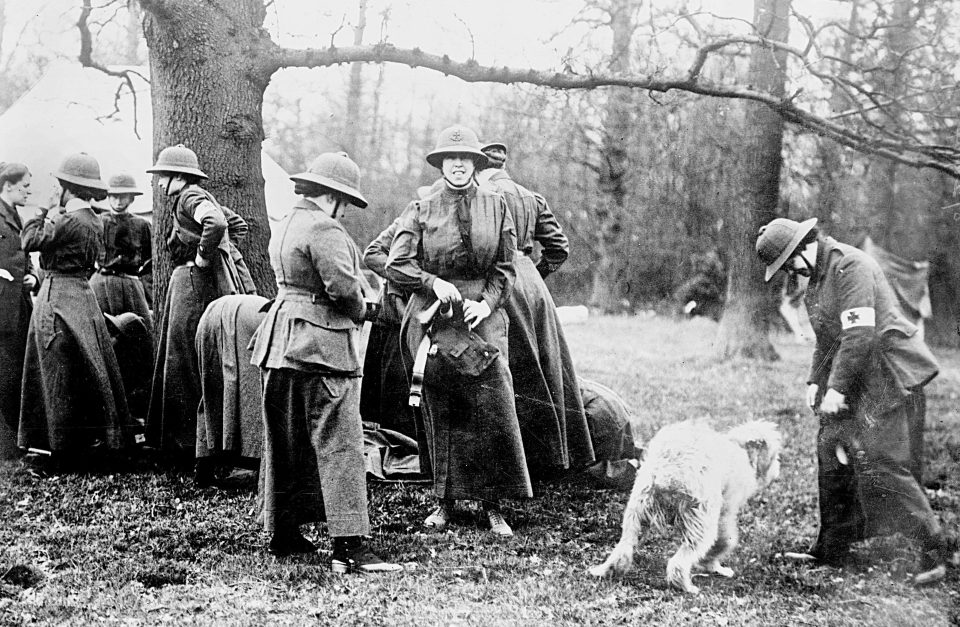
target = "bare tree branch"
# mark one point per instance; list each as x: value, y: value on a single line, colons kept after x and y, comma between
x: 86, y: 60
x: 907, y: 152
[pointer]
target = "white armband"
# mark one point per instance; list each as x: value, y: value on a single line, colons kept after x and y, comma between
x: 204, y: 210
x: 858, y: 317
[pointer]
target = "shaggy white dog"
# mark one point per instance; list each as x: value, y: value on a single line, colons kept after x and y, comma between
x: 697, y: 479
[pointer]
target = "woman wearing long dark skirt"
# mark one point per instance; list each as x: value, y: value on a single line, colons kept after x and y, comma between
x: 201, y: 247
x: 308, y: 350
x: 457, y: 245
x: 17, y: 280
x: 72, y: 395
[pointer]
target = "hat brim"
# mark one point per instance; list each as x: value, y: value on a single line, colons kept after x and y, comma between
x: 494, y: 146
x: 435, y: 158
x: 172, y: 169
x: 802, y: 229
x: 82, y: 182
x: 119, y: 191
x: 355, y: 196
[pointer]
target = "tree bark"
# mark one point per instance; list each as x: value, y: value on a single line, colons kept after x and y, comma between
x: 207, y: 86
x: 745, y: 324
x: 352, y: 128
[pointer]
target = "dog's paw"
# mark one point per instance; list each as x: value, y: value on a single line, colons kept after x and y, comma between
x: 601, y: 570
x: 723, y: 571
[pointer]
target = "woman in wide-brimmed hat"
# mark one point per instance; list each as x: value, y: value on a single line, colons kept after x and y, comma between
x: 73, y: 397
x: 457, y: 246
x: 126, y: 247
x: 201, y: 246
x: 308, y: 350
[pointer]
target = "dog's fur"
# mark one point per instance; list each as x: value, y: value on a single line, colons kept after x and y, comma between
x: 697, y: 479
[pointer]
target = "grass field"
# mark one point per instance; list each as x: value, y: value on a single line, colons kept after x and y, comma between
x: 147, y: 548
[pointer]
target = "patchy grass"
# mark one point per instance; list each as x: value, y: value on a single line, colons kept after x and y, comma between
x: 142, y: 547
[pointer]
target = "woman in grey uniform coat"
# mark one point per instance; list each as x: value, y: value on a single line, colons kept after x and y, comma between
x: 307, y: 348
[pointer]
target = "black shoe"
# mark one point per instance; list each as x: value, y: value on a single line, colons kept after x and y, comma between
x: 284, y: 545
x: 837, y: 558
x: 360, y: 560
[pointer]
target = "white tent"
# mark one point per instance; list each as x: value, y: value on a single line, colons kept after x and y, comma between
x: 73, y: 109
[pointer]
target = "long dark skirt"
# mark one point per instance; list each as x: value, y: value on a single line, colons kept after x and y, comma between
x: 73, y: 395
x: 118, y: 294
x: 312, y: 467
x: 876, y: 492
x: 230, y: 421
x: 472, y: 434
x: 386, y: 385
x: 13, y: 346
x: 175, y: 397
x: 556, y: 435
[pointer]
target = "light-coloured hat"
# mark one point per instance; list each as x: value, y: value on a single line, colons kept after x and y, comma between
x: 178, y: 160
x: 338, y: 172
x: 777, y: 241
x: 81, y: 169
x: 456, y: 140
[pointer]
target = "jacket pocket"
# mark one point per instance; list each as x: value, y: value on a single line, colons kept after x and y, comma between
x: 311, y: 343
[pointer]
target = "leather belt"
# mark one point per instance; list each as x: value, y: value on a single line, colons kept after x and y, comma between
x: 297, y: 295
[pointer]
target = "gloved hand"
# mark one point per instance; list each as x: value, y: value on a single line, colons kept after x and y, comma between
x: 833, y: 403
x: 446, y: 292
x: 475, y: 312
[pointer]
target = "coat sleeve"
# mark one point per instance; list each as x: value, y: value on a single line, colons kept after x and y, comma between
x: 40, y: 233
x: 237, y: 227
x: 376, y: 253
x: 334, y: 258
x: 503, y: 272
x: 556, y: 246
x: 856, y: 299
x: 209, y: 215
x: 403, y: 263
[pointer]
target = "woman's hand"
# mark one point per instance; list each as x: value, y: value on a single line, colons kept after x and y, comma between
x: 812, y: 390
x: 446, y: 292
x: 833, y: 402
x: 475, y: 312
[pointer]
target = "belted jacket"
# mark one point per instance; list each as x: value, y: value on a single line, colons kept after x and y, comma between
x: 534, y: 222
x: 392, y: 299
x: 313, y: 323
x: 866, y: 348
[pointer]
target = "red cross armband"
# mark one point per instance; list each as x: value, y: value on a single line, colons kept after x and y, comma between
x: 858, y: 317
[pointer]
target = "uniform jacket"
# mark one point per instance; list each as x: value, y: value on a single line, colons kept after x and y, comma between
x: 456, y: 235
x: 313, y: 324
x: 866, y: 348
x: 534, y: 223
x: 14, y: 260
x: 126, y: 242
x: 392, y: 300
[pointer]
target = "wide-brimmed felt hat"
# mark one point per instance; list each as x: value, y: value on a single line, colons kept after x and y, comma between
x: 778, y: 239
x: 456, y: 140
x: 338, y: 172
x: 123, y: 183
x: 81, y: 169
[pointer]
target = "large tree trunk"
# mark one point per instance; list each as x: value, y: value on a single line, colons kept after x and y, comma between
x: 207, y: 90
x: 745, y: 324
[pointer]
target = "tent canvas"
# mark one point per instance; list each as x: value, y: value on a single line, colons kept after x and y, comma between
x: 73, y: 109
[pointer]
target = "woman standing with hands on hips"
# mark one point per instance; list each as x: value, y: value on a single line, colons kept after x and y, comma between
x: 307, y: 348
x: 457, y: 246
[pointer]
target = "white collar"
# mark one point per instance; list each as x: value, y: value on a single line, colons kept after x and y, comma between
x: 75, y: 204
